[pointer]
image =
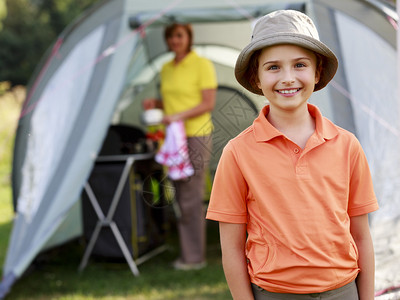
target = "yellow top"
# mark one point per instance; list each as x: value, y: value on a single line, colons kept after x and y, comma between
x: 181, y: 87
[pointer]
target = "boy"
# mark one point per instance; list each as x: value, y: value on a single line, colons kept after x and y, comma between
x: 293, y: 191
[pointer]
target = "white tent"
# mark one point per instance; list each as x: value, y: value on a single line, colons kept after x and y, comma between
x: 107, y: 61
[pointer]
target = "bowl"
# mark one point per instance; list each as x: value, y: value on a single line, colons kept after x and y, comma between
x: 152, y: 116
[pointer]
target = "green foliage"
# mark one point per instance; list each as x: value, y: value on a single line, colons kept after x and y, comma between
x: 28, y: 30
x: 3, y: 12
x: 61, y: 12
x: 22, y: 40
x: 4, y: 87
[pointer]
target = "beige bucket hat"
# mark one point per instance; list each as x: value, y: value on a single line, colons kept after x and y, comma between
x: 286, y: 27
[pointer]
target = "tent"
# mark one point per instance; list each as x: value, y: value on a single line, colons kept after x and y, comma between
x: 103, y: 64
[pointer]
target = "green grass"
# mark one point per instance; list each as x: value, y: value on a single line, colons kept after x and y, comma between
x: 9, y: 110
x: 10, y: 106
x: 54, y: 275
x: 5, y: 219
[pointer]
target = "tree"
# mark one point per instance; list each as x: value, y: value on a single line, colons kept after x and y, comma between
x: 30, y: 27
x: 21, y: 40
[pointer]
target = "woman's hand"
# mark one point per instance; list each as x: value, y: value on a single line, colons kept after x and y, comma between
x: 171, y: 118
x: 151, y: 103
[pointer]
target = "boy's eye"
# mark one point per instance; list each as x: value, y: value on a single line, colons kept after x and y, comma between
x: 273, y: 67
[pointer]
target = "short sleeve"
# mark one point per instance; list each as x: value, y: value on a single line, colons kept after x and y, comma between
x: 362, y: 199
x: 208, y: 78
x: 228, y: 201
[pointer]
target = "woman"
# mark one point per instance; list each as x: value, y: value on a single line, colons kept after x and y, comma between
x: 188, y: 85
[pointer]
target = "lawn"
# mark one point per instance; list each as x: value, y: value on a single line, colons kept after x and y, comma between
x: 54, y: 274
x: 10, y: 103
x: 5, y: 219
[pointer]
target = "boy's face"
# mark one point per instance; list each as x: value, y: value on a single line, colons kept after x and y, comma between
x: 287, y: 75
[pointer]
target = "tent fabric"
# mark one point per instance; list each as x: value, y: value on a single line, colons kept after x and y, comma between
x: 103, y: 65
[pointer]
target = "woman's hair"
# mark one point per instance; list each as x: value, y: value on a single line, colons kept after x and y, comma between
x: 252, y: 69
x: 169, y: 30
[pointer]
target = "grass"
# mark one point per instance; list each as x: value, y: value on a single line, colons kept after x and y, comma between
x: 5, y: 219
x: 54, y: 274
x: 10, y: 103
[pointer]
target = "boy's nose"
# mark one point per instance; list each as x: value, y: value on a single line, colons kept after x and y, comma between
x: 288, y: 78
x: 288, y: 81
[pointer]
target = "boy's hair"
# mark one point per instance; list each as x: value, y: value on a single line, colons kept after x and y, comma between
x: 169, y: 30
x: 252, y: 69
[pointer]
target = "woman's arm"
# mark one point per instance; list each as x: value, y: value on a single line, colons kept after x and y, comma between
x: 233, y: 239
x: 359, y: 229
x: 207, y: 104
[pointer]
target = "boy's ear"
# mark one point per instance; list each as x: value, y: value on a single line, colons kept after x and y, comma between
x: 318, y: 70
x: 258, y: 83
x: 318, y: 74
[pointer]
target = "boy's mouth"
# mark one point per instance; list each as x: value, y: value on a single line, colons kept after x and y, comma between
x: 288, y: 91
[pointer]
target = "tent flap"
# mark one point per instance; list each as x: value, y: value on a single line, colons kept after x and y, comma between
x: 6, y: 283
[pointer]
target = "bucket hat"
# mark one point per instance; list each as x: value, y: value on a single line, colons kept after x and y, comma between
x: 286, y: 27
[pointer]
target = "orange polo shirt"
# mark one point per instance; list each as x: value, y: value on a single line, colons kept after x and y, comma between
x: 297, y: 203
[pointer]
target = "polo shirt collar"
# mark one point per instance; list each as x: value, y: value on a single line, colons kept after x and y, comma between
x: 264, y: 131
x: 186, y: 59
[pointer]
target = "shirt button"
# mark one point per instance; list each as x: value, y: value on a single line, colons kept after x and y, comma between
x: 296, y: 150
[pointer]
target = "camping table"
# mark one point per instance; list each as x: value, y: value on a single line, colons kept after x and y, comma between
x: 107, y: 220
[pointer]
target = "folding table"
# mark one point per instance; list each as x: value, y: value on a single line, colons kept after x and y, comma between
x: 106, y: 219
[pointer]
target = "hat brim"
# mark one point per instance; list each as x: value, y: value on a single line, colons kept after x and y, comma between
x: 329, y: 66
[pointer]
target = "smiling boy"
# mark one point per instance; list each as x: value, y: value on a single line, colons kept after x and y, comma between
x: 287, y: 75
x: 293, y: 191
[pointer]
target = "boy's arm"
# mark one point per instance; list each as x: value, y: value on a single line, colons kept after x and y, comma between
x: 233, y: 240
x: 359, y: 229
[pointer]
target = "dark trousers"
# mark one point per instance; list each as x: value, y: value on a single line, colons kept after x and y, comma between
x: 347, y: 292
x: 190, y: 197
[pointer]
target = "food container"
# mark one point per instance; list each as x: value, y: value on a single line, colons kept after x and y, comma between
x: 152, y: 116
